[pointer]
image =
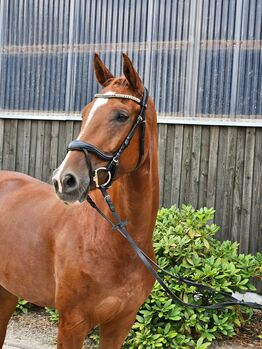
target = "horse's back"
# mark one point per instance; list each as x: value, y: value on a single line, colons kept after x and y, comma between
x: 17, y: 188
x: 11, y: 180
x: 26, y: 221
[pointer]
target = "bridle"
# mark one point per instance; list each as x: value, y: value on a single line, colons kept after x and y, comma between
x: 204, y: 292
x: 113, y: 160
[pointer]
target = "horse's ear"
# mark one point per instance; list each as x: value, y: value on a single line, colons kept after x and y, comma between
x: 102, y: 73
x: 132, y: 75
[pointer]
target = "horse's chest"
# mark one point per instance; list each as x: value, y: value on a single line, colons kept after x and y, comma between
x: 122, y: 292
x: 106, y: 280
x: 128, y: 281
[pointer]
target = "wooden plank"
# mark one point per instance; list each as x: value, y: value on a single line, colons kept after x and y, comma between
x: 62, y: 142
x: 6, y: 145
x: 76, y: 130
x: 162, y: 135
x: 195, y: 166
x: 177, y: 165
x: 20, y: 146
x: 53, y: 160
x: 238, y: 185
x: 255, y: 236
x: 221, y: 178
x: 40, y: 136
x: 247, y: 190
x: 2, y: 127
x: 167, y: 184
x: 33, y: 147
x: 10, y: 136
x: 203, y: 176
x: 186, y: 166
x: 66, y: 130
x: 229, y: 178
x: 212, y: 166
x: 69, y: 131
x: 46, y: 173
x: 26, y: 146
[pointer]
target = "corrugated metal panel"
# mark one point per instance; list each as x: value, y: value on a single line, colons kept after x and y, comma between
x: 230, y: 63
x: 198, y: 57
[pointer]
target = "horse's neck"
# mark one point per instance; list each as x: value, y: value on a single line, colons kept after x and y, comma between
x: 137, y: 198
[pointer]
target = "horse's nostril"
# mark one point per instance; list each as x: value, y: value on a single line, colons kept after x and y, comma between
x: 69, y: 183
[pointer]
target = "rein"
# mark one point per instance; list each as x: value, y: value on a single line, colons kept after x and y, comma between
x: 119, y: 225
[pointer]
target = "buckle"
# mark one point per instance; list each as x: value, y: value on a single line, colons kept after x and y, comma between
x: 96, y: 179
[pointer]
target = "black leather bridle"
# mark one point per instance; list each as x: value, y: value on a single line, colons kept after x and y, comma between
x: 113, y: 160
x: 204, y: 292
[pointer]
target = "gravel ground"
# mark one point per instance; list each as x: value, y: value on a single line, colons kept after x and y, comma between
x: 35, y: 331
x: 32, y: 330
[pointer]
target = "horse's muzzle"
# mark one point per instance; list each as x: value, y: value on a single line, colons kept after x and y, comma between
x: 70, y: 188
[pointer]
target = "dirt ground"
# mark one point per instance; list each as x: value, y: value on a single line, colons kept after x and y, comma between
x: 35, y: 331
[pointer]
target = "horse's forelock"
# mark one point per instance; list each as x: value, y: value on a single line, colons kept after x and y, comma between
x: 119, y: 82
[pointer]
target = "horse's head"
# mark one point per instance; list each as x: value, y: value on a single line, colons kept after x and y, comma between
x: 107, y: 121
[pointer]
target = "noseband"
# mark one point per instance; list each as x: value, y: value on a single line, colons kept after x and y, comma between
x: 113, y: 160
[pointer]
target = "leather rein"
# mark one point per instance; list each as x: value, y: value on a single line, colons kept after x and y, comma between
x: 119, y: 225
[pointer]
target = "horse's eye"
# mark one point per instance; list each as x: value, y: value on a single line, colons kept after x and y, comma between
x: 121, y: 117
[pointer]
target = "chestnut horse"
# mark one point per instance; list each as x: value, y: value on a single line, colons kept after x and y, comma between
x: 59, y: 253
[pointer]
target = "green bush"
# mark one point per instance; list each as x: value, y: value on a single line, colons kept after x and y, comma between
x: 185, y: 246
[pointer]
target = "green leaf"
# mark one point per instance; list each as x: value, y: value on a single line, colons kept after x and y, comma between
x: 167, y: 328
x: 206, y: 243
x: 200, y: 341
x: 140, y: 318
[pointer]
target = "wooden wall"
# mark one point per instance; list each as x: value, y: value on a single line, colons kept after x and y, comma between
x: 218, y: 167
x: 209, y: 166
x: 35, y: 147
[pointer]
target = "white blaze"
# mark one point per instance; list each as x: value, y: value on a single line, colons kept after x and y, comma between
x: 60, y: 170
x: 98, y: 103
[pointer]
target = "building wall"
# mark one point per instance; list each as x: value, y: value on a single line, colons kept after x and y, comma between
x: 209, y: 166
x: 199, y: 58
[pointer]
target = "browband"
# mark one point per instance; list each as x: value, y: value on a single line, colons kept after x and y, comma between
x: 120, y: 95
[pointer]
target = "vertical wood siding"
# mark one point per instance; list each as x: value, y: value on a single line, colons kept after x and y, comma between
x: 209, y: 166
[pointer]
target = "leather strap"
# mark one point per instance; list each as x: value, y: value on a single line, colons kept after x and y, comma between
x: 80, y: 145
x: 114, y: 159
